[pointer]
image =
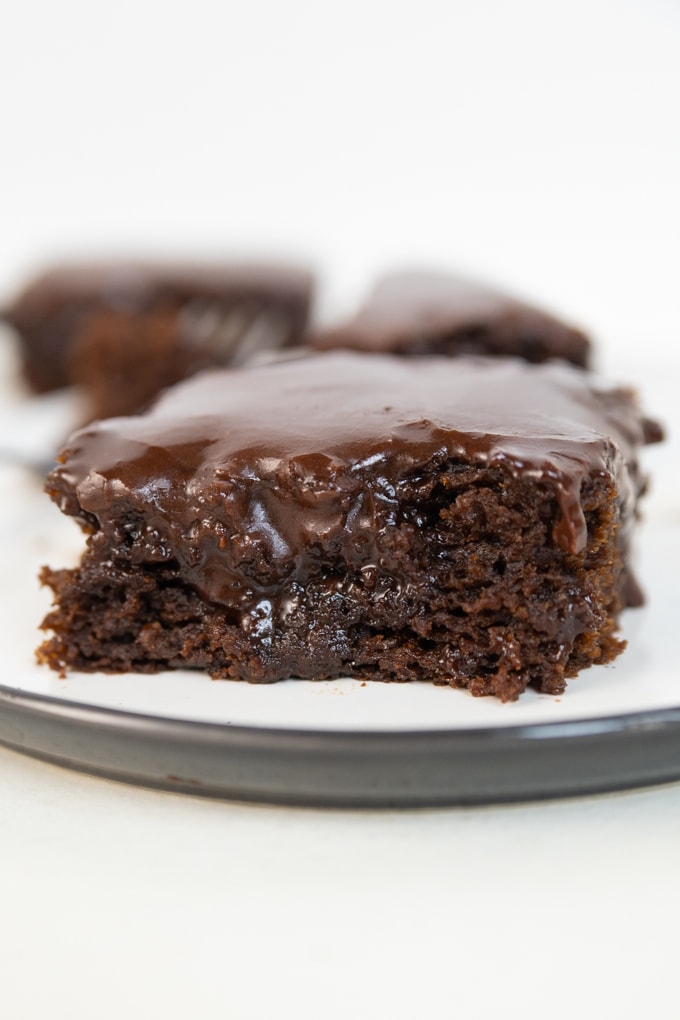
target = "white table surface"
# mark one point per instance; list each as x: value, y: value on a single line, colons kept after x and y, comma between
x: 118, y: 901
x: 533, y: 143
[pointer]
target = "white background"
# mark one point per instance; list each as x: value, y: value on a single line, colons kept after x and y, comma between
x: 535, y: 143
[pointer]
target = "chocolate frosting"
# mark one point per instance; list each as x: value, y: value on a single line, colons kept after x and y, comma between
x: 136, y: 286
x: 413, y: 313
x: 255, y: 480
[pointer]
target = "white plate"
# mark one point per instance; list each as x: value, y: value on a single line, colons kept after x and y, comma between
x: 344, y: 742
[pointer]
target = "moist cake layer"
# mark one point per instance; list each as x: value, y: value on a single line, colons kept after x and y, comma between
x: 460, y: 521
x: 434, y: 313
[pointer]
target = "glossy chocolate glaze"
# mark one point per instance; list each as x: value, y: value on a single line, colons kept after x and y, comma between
x: 218, y: 305
x: 258, y: 481
x: 414, y: 313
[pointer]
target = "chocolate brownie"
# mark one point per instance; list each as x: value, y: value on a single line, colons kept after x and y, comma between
x: 126, y: 331
x: 431, y: 313
x: 459, y: 521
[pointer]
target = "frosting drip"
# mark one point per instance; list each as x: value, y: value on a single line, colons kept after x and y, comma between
x: 254, y: 481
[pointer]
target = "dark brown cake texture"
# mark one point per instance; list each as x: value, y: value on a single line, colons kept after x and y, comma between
x: 460, y: 521
x: 125, y: 331
x: 416, y: 313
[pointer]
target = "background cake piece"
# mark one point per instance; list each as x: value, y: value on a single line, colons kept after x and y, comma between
x: 462, y: 521
x: 124, y: 331
x: 414, y: 313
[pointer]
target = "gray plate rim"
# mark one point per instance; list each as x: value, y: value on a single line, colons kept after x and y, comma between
x: 342, y: 768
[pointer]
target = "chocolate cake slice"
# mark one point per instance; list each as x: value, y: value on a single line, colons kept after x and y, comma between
x: 126, y: 331
x: 434, y: 313
x: 460, y: 521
